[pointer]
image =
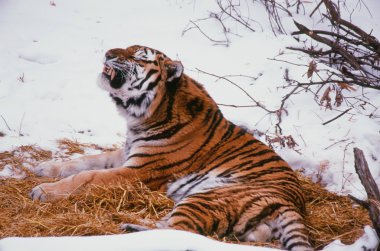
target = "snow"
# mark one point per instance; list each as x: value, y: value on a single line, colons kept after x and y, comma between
x: 51, y: 55
x: 368, y: 240
x: 10, y: 172
x: 168, y: 240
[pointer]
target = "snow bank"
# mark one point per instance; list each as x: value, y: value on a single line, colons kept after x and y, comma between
x: 168, y: 240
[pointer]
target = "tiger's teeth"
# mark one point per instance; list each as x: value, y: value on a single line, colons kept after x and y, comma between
x: 112, y: 73
x: 106, y: 70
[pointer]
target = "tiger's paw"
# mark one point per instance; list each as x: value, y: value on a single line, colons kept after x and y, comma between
x: 48, y: 169
x: 47, y: 192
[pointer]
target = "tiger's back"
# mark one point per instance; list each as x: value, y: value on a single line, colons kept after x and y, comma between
x: 206, y: 162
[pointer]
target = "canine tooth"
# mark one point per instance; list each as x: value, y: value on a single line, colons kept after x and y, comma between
x: 113, y: 73
x: 106, y: 69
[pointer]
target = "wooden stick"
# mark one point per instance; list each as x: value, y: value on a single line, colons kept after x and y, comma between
x: 370, y: 186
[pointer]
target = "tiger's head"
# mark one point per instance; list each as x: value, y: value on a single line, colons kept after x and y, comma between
x: 136, y: 77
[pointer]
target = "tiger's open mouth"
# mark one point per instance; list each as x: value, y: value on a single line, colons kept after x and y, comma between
x: 109, y: 72
x: 115, y: 76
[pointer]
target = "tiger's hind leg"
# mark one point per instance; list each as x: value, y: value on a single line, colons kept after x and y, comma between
x: 289, y: 227
x: 263, y: 217
x: 277, y: 221
x: 197, y: 213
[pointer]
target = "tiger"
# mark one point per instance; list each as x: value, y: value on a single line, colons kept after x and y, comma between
x: 222, y: 179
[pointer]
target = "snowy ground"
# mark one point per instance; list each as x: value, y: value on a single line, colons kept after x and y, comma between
x: 52, y: 51
x: 155, y: 240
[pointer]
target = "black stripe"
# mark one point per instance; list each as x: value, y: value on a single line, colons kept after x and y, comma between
x: 215, y: 225
x: 154, y: 83
x: 265, y: 212
x: 184, y: 184
x: 252, y: 165
x: 228, y: 156
x: 135, y: 101
x: 169, y: 101
x: 291, y: 222
x: 288, y: 210
x: 232, y: 220
x: 193, y: 207
x: 217, y: 119
x: 256, y: 175
x: 195, y: 106
x: 187, y: 224
x: 273, y: 158
x: 189, y: 219
x: 248, y: 205
x: 145, y: 164
x: 148, y: 155
x: 162, y: 135
x: 285, y: 242
x: 150, y: 73
x: 227, y: 152
x: 285, y: 190
x: 207, y: 117
x: 256, y: 154
x: 194, y: 185
x: 299, y: 243
x: 298, y: 230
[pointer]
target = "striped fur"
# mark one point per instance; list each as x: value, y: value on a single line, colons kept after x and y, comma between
x: 223, y: 180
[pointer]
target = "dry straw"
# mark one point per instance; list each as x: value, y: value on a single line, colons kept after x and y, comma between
x: 101, y: 210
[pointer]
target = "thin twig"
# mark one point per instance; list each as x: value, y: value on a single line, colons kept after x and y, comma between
x: 316, y: 8
x: 335, y: 143
x: 218, y: 42
x: 340, y: 115
x: 22, y: 121
x: 6, y: 123
x: 233, y: 83
x: 238, y: 106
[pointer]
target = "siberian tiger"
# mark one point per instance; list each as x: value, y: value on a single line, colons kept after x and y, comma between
x: 222, y: 179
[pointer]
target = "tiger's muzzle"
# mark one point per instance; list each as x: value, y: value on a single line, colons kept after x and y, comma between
x: 115, y: 76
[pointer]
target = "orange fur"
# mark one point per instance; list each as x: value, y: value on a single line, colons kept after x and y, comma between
x: 223, y: 180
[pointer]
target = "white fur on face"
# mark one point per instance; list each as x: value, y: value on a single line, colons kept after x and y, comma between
x: 133, y: 97
x: 145, y: 54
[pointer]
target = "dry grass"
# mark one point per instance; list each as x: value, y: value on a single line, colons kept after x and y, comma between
x: 101, y: 210
x: 331, y: 216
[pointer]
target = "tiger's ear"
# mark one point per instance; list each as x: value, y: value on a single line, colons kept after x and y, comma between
x: 174, y: 70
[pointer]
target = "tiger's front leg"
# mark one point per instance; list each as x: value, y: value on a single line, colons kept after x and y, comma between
x: 76, y: 183
x: 93, y: 162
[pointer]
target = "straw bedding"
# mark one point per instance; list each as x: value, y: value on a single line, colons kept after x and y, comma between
x: 101, y: 210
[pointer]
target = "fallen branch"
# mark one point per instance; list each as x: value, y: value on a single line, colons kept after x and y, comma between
x: 370, y: 186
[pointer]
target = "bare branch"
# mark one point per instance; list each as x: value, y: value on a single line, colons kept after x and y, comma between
x: 335, y: 118
x: 258, y: 104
